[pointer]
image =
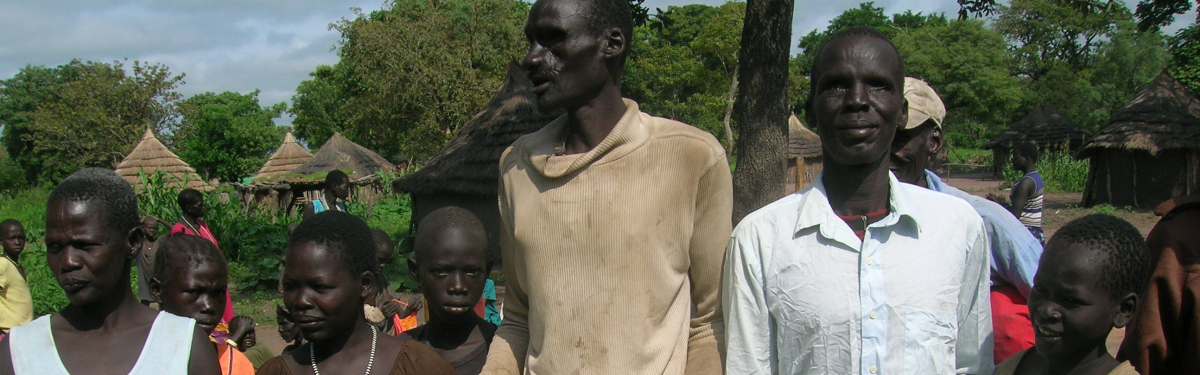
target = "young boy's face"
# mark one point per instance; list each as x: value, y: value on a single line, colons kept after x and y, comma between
x: 1072, y: 311
x: 13, y: 239
x: 452, y: 273
x: 249, y: 340
x: 196, y: 292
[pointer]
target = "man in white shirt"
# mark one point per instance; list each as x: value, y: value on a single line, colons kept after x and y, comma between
x: 858, y: 274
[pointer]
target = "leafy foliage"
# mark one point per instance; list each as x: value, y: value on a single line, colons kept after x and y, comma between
x: 82, y: 114
x: 228, y: 135
x: 1060, y: 172
x: 1185, y: 57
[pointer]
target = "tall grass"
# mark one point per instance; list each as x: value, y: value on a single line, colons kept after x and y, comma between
x: 1060, y: 172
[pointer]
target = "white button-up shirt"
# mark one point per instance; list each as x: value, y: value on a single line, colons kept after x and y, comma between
x: 802, y: 294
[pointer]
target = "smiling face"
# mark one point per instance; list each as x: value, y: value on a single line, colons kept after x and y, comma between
x: 452, y: 269
x: 858, y: 100
x: 325, y: 299
x: 567, y: 60
x: 1072, y: 312
x: 12, y: 236
x: 88, y: 257
x: 195, y: 291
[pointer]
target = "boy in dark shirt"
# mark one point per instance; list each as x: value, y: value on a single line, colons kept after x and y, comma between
x: 1087, y: 283
x: 451, y: 264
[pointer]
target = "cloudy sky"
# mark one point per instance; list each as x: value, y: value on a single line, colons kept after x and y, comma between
x: 243, y: 45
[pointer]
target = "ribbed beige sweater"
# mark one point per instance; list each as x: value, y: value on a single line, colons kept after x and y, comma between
x: 613, y: 257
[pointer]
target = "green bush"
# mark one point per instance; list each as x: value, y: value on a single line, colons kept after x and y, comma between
x: 1060, y: 172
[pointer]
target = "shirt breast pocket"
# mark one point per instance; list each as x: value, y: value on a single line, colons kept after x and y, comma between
x: 929, y: 339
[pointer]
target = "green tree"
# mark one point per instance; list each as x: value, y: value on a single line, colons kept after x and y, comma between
x: 317, y: 104
x: 227, y: 136
x: 1045, y: 34
x: 1185, y: 57
x: 83, y: 114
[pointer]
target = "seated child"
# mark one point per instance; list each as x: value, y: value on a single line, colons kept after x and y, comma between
x: 191, y: 280
x: 1087, y: 283
x: 328, y: 277
x: 399, y: 316
x: 247, y: 341
x: 451, y: 265
x: 288, y: 330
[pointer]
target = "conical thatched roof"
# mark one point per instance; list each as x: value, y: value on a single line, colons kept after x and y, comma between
x: 1164, y: 116
x: 287, y: 158
x: 340, y: 153
x: 469, y: 164
x: 151, y: 156
x: 1043, y: 126
x: 802, y: 143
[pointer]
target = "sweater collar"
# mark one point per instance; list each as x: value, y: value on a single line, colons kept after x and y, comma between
x: 630, y: 132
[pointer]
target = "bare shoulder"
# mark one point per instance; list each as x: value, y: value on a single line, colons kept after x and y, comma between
x: 6, y: 365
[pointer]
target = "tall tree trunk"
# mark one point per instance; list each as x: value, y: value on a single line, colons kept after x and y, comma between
x: 762, y: 106
x: 733, y: 84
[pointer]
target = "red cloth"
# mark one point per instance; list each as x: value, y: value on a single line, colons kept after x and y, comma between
x: 1011, y: 327
x: 207, y: 234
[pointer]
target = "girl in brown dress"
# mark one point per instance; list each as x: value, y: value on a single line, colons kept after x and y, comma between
x: 329, y: 274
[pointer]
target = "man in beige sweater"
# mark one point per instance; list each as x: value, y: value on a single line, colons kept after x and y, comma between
x: 615, y: 222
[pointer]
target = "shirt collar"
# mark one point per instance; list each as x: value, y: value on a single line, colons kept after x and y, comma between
x: 816, y: 211
x: 934, y: 182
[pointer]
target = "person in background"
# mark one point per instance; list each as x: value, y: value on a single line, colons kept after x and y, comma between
x: 91, y: 238
x: 191, y: 203
x: 858, y: 273
x: 337, y: 190
x: 451, y: 264
x: 486, y: 308
x: 16, y: 304
x: 1164, y: 337
x: 397, y: 315
x: 1086, y: 285
x: 1015, y: 252
x: 191, y: 279
x: 145, y: 258
x: 328, y: 276
x: 1028, y: 192
x: 289, y: 332
x: 246, y: 338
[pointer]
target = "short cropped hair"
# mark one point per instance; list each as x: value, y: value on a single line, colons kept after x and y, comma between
x: 604, y: 14
x: 189, y: 197
x: 1127, y: 259
x: 106, y: 187
x: 1028, y: 149
x: 345, y: 235
x: 181, y: 251
x: 382, y: 239
x: 336, y: 176
x: 447, y: 217
x: 864, y: 31
x: 11, y: 222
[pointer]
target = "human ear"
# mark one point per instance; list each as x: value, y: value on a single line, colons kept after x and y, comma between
x: 615, y: 42
x: 1126, y: 306
x: 368, y: 284
x: 412, y: 267
x: 156, y: 290
x: 903, y: 119
x: 134, y: 240
x: 935, y: 141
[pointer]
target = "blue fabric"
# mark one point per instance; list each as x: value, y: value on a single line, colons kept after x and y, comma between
x: 319, y: 206
x: 1015, y: 250
x: 489, y: 303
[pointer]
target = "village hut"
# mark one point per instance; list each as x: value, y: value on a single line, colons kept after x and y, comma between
x: 466, y: 171
x: 1044, y: 127
x: 150, y: 156
x: 804, y: 155
x: 340, y: 153
x: 287, y: 190
x: 289, y: 156
x: 1149, y: 151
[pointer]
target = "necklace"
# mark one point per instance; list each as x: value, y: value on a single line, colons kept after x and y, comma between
x: 312, y: 356
x: 190, y: 226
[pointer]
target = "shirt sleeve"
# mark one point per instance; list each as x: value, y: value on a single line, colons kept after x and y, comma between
x: 747, y: 321
x: 974, y: 348
x: 712, y: 224
x: 1015, y: 253
x: 506, y: 355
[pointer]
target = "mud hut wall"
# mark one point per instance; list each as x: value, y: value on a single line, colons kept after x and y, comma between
x: 1137, y: 179
x: 487, y: 209
x: 801, y: 172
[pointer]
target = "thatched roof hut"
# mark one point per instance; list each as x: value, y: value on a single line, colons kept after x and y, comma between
x: 340, y: 153
x: 467, y: 171
x: 287, y: 158
x: 1149, y: 151
x: 1044, y: 127
x: 150, y: 156
x: 804, y: 155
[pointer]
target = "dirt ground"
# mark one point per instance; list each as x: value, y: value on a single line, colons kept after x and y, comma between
x: 1059, y: 209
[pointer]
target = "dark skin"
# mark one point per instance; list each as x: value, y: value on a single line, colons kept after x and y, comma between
x: 383, y: 254
x: 576, y: 68
x: 91, y: 261
x: 912, y: 150
x: 1024, y: 188
x: 1073, y: 313
x: 335, y: 192
x: 196, y: 292
x: 858, y: 104
x: 192, y: 214
x: 12, y: 236
x: 288, y: 330
x: 241, y: 331
x: 326, y: 300
x: 452, y: 270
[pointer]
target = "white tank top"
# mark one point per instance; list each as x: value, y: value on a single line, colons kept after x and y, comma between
x: 167, y: 350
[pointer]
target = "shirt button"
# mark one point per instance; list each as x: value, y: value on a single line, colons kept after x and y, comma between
x: 874, y: 315
x: 874, y: 369
x: 870, y: 261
